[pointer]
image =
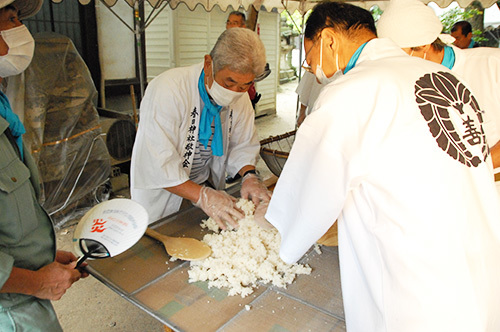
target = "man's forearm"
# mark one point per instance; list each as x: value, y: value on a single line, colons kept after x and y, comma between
x: 21, y: 281
x: 188, y: 190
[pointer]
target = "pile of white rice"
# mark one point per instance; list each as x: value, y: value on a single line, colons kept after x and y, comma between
x: 241, y: 258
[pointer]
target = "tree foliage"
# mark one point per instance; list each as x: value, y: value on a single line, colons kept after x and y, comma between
x: 294, y: 20
x: 454, y: 15
x: 376, y: 12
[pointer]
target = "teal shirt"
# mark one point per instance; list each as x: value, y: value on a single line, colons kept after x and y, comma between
x: 27, y: 238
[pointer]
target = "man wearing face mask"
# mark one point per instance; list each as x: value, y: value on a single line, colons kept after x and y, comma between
x: 32, y: 272
x: 197, y: 123
x: 394, y: 151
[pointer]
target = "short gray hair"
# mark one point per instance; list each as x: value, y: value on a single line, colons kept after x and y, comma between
x: 241, y: 50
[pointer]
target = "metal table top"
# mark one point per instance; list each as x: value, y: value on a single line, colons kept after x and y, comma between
x: 145, y: 276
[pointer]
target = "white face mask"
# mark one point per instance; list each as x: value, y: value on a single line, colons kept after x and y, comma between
x: 222, y: 96
x: 320, y: 74
x: 21, y: 46
x: 425, y: 55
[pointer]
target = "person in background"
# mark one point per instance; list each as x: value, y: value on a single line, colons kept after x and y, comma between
x: 307, y: 91
x: 479, y: 67
x: 32, y: 272
x: 388, y: 151
x: 462, y: 32
x: 236, y: 19
x: 197, y: 123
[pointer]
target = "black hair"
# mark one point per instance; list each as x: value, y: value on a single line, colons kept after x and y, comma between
x: 11, y: 7
x: 340, y: 16
x: 237, y: 13
x: 466, y: 27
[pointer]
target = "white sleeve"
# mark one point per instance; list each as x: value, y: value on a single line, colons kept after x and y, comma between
x: 156, y: 159
x: 313, y: 95
x: 304, y: 88
x: 315, y: 181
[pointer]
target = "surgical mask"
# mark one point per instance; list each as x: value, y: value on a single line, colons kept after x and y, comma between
x: 320, y: 74
x: 425, y: 54
x: 21, y: 46
x: 222, y: 96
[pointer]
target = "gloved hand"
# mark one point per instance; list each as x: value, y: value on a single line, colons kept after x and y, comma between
x: 220, y: 206
x: 259, y: 216
x: 252, y: 188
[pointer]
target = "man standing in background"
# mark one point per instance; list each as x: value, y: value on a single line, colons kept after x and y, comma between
x: 462, y: 32
x: 236, y: 19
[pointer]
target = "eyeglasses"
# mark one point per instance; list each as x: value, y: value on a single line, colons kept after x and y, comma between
x: 305, y: 65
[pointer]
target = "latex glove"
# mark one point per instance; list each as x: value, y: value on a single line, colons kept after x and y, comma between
x: 220, y: 206
x: 252, y: 188
x: 259, y: 216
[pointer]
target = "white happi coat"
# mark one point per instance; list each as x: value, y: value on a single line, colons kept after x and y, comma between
x: 480, y: 69
x: 387, y: 153
x: 167, y: 135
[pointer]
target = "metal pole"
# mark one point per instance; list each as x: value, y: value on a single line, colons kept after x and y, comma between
x: 297, y: 107
x: 137, y: 33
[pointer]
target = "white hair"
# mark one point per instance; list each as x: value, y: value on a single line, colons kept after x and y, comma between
x: 241, y: 50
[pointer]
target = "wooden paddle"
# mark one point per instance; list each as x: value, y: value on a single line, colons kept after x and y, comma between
x: 331, y: 237
x: 184, y: 248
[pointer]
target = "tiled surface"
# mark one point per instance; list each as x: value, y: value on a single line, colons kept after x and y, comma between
x: 320, y: 289
x: 191, y: 306
x: 133, y: 269
x: 146, y: 277
x: 277, y: 312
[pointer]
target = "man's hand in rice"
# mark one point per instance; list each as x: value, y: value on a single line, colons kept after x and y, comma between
x: 252, y: 188
x: 220, y: 206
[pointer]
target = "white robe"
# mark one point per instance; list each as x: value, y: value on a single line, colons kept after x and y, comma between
x: 419, y: 237
x: 168, y: 130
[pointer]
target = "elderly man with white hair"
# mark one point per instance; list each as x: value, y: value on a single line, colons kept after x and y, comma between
x: 197, y: 123
x: 415, y: 28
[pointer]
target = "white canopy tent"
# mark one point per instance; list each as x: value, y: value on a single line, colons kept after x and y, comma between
x: 291, y: 6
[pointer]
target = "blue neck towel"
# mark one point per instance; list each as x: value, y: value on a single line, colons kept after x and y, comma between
x: 448, y: 58
x: 354, y: 58
x: 209, y: 114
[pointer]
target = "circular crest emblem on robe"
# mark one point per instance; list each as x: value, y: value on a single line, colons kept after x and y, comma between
x: 453, y: 116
